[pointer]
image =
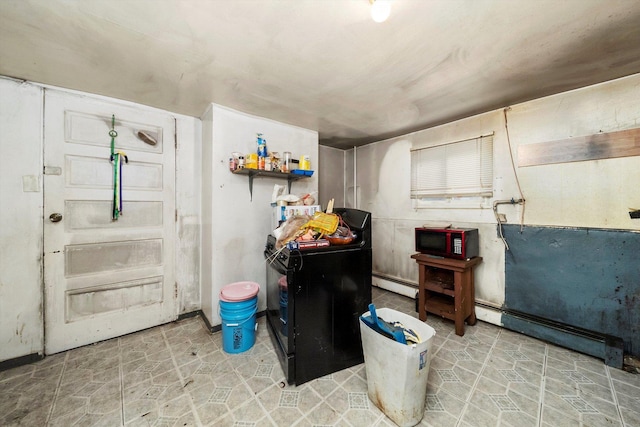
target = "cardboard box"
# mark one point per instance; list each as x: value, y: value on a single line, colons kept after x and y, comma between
x: 282, y: 213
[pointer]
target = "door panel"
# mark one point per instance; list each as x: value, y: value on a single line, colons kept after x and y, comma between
x: 106, y: 278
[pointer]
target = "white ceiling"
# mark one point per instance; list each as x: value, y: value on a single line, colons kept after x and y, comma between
x: 323, y: 64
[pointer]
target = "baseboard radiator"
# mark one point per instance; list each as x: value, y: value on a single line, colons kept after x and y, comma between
x: 602, y: 346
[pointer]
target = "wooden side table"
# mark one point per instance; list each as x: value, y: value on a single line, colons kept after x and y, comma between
x: 445, y: 288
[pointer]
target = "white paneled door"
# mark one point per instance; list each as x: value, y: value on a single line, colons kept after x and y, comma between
x: 104, y: 277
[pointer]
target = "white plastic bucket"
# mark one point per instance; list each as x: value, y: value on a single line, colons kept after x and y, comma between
x: 397, y: 373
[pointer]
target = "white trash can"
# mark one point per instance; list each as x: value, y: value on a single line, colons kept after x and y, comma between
x: 397, y: 373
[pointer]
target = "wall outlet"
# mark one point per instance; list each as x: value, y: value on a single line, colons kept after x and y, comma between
x: 502, y: 218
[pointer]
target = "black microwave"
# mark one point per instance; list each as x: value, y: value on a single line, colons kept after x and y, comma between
x: 461, y: 243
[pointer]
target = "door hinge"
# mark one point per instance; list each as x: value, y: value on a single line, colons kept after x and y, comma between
x: 175, y: 133
x: 176, y: 215
x: 51, y: 170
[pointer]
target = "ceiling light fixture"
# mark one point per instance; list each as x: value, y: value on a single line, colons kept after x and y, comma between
x: 380, y: 10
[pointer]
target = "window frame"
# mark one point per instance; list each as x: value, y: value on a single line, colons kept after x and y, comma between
x: 437, y: 161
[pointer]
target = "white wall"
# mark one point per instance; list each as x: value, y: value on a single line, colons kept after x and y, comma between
x: 21, y: 216
x: 595, y: 193
x: 582, y: 194
x: 188, y: 192
x: 21, y: 322
x: 331, y: 170
x: 235, y: 228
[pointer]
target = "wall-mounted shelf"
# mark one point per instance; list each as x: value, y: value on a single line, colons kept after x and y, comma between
x: 252, y: 173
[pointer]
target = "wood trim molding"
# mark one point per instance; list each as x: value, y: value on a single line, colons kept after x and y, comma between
x: 623, y: 143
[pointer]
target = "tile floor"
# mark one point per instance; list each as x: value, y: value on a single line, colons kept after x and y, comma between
x: 178, y: 375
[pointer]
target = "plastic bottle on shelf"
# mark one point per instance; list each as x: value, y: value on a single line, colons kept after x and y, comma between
x: 305, y: 162
x: 286, y: 162
x: 262, y: 146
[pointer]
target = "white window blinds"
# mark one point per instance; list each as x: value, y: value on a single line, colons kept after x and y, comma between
x: 463, y: 168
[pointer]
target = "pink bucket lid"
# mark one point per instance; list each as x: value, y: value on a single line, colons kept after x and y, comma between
x: 239, y: 291
x: 283, y: 282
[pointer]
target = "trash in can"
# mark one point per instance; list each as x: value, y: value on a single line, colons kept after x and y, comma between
x: 238, y: 307
x: 397, y: 372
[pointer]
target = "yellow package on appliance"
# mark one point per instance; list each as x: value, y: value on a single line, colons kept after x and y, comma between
x: 323, y: 222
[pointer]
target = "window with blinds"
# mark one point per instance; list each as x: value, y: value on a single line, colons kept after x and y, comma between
x: 457, y: 169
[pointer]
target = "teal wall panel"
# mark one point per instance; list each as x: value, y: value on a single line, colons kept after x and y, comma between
x: 585, y: 278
